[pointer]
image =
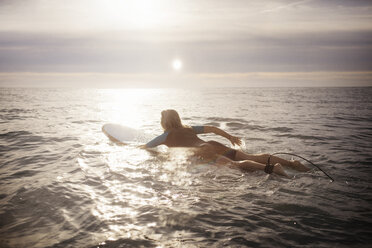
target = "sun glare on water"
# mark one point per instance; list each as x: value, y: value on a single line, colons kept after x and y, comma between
x: 126, y: 106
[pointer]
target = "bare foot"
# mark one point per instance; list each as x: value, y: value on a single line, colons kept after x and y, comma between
x: 278, y: 169
x: 298, y: 166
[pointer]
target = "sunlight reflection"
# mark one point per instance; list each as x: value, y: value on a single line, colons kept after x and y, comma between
x: 134, y: 13
x: 126, y: 181
x: 124, y: 158
x: 125, y: 106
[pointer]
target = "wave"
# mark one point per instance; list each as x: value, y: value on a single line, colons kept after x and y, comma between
x: 63, y: 184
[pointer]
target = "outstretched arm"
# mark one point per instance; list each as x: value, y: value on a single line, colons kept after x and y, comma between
x: 211, y: 129
x: 156, y: 141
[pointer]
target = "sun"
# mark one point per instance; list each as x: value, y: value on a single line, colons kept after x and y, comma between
x: 177, y: 64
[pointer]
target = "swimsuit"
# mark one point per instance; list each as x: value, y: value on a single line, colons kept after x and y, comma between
x: 219, y: 148
x: 162, y: 138
x: 228, y: 152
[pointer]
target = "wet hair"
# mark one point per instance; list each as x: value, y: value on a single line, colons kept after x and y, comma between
x: 170, y: 119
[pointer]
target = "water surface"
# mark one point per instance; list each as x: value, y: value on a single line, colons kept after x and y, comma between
x: 64, y: 184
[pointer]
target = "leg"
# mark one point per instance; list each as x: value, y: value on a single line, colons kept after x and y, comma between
x: 262, y: 158
x: 249, y: 165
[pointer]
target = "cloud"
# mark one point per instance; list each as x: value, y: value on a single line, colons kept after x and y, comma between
x: 190, y: 16
x: 285, y: 6
x: 151, y: 80
x: 223, y: 37
x: 109, y: 53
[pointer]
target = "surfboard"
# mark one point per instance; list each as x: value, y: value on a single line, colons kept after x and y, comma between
x: 124, y: 135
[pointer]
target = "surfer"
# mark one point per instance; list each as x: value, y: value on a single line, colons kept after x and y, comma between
x: 178, y: 135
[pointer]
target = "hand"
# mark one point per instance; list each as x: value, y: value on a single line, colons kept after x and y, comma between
x: 235, y: 141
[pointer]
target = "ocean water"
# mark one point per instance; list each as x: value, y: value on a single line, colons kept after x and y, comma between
x: 63, y: 183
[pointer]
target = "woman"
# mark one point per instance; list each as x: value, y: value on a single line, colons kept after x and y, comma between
x: 177, y: 135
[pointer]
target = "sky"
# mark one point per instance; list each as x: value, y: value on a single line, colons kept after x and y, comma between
x: 135, y: 43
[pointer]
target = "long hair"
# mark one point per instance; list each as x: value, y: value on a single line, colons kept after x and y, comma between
x: 170, y: 119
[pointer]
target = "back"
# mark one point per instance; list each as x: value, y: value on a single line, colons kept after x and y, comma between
x: 182, y: 137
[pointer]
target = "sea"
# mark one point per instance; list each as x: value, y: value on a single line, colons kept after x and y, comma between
x: 63, y: 183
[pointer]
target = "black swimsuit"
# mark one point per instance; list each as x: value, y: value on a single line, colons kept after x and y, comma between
x: 229, y: 153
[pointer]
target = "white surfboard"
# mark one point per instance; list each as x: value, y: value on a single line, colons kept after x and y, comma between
x: 124, y: 135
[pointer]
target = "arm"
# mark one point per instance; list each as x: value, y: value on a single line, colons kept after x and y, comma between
x: 156, y: 141
x: 211, y: 129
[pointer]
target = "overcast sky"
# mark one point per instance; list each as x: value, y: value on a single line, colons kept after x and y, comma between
x: 220, y: 43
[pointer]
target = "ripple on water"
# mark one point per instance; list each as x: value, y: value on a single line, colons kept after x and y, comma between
x: 64, y: 184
